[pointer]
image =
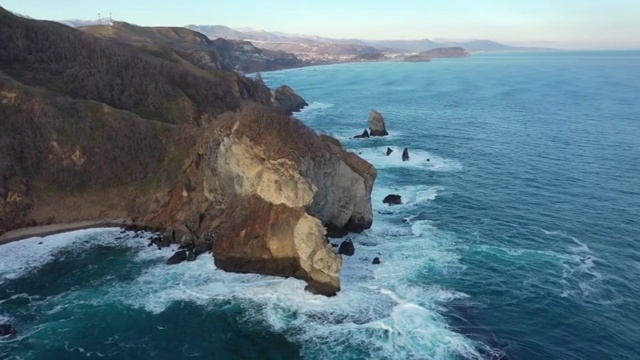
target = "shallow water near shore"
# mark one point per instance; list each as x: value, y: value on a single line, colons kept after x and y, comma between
x: 518, y: 236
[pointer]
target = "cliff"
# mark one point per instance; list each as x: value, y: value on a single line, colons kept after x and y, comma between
x: 92, y: 129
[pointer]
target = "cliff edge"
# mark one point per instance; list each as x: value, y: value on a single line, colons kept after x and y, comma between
x: 203, y: 155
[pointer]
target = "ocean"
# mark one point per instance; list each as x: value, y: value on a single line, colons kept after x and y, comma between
x: 518, y: 236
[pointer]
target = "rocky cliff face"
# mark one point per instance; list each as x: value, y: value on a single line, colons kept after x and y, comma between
x: 255, y: 186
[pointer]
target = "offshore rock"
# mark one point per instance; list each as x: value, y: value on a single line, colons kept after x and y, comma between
x: 392, y: 199
x: 389, y: 151
x: 347, y: 248
x: 287, y: 100
x: 377, y: 126
x: 365, y: 134
x: 405, y: 154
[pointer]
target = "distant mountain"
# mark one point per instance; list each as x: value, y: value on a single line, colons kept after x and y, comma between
x: 312, y: 49
x: 426, y: 44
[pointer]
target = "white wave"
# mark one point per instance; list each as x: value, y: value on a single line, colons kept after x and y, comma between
x: 412, y: 195
x: 418, y: 159
x: 314, y: 107
x: 380, y: 311
x: 346, y: 136
x: 362, y: 316
x: 20, y: 257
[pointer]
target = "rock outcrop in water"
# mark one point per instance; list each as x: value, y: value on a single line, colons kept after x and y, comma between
x: 405, y: 154
x: 392, y: 199
x: 204, y: 156
x: 286, y: 99
x: 364, y: 135
x: 377, y: 126
x: 347, y: 248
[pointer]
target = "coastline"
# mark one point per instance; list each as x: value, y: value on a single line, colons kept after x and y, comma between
x: 46, y: 230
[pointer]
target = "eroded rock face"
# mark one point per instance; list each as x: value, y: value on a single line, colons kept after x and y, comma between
x: 282, y: 188
x: 275, y: 239
x: 377, y: 126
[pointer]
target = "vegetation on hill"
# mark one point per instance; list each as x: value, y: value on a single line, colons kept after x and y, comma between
x: 81, y: 66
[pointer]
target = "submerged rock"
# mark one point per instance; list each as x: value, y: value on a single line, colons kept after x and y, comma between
x: 376, y: 261
x: 392, y: 199
x: 405, y: 154
x: 347, y: 248
x: 7, y: 330
x: 389, y: 151
x: 177, y: 257
x: 365, y: 134
x: 377, y: 126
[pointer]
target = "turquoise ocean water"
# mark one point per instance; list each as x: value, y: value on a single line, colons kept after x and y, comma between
x: 518, y: 237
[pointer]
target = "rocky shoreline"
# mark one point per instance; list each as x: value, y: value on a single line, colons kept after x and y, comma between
x: 205, y: 157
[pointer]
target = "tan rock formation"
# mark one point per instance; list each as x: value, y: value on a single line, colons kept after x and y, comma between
x: 376, y: 124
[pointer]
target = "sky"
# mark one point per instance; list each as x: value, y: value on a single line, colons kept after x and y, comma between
x: 580, y: 24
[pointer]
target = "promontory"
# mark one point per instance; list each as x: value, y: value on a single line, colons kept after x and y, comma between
x: 169, y: 137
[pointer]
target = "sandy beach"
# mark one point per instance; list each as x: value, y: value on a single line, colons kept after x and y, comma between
x: 46, y: 230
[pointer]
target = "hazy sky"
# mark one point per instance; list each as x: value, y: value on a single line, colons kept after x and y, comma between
x: 570, y: 23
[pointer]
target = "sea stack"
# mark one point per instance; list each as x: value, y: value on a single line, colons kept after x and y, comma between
x: 377, y: 126
x: 405, y: 154
x: 287, y: 100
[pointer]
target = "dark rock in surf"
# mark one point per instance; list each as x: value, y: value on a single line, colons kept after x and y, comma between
x: 199, y: 249
x: 336, y: 232
x: 317, y: 288
x: 392, y: 199
x: 389, y: 151
x: 191, y: 256
x: 177, y: 257
x: 376, y: 261
x: 365, y: 134
x: 7, y: 330
x: 405, y: 154
x: 347, y: 248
